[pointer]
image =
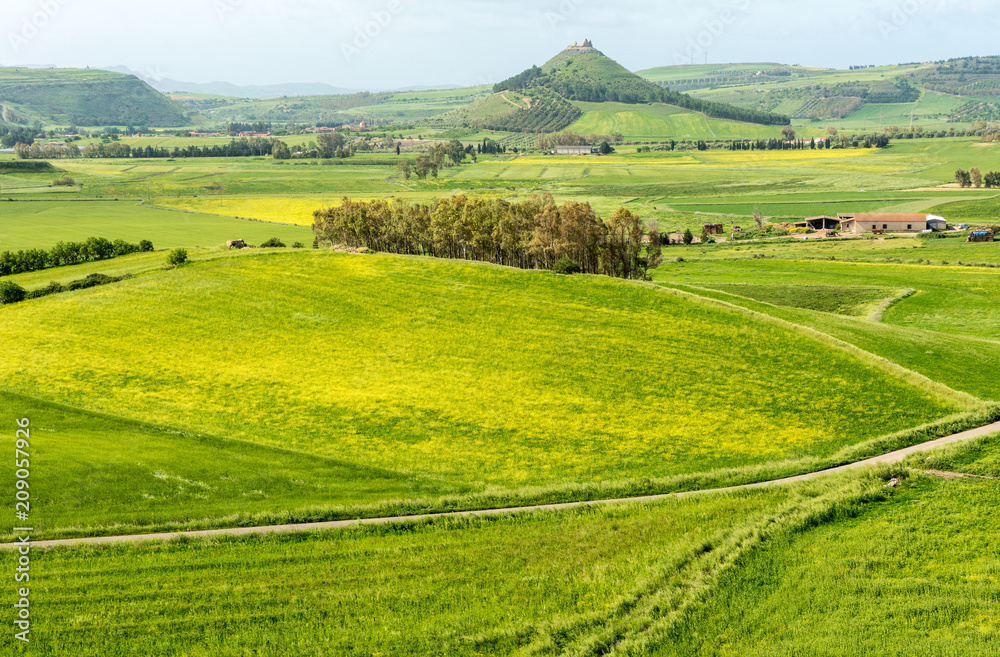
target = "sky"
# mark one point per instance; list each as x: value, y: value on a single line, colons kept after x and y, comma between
x: 392, y: 44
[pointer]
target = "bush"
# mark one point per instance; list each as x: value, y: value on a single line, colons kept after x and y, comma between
x: 177, y: 257
x: 567, y: 267
x: 145, y: 246
x: 90, y: 281
x: 298, y: 245
x: 273, y: 243
x: 11, y: 292
x: 51, y: 288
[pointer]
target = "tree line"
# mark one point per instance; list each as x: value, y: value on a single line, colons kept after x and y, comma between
x: 532, y: 234
x: 68, y: 253
x: 243, y: 147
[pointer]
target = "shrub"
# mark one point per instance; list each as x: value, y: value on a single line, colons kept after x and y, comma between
x: 177, y: 257
x: 273, y: 243
x: 65, y: 181
x: 51, y: 288
x: 90, y: 281
x: 298, y: 245
x: 11, y: 292
x: 145, y: 246
x: 567, y: 267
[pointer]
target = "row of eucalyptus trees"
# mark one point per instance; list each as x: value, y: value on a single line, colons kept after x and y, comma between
x: 532, y: 234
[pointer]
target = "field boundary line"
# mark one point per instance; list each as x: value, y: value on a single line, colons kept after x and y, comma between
x: 884, y: 459
x: 963, y: 400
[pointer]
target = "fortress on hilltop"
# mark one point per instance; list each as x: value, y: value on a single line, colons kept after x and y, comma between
x: 586, y: 47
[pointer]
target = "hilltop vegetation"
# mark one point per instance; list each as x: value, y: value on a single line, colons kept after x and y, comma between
x: 590, y: 76
x: 959, y: 91
x: 84, y: 97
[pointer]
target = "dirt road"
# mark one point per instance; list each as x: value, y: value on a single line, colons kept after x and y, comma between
x: 892, y: 457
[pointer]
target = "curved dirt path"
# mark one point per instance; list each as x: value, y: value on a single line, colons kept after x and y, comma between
x: 891, y: 457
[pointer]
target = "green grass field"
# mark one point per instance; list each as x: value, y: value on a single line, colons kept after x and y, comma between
x: 542, y: 582
x: 334, y: 356
x: 916, y: 575
x: 669, y: 187
x: 41, y: 224
x: 657, y: 121
x: 299, y: 385
x: 100, y: 474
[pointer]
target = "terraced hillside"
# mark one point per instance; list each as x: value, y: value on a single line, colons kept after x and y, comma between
x: 954, y: 92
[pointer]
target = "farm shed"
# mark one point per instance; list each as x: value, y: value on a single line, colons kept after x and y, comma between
x: 713, y: 229
x: 573, y: 150
x: 870, y: 222
x: 819, y: 223
x: 981, y: 235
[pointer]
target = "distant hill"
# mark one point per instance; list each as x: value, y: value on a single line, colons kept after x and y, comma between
x: 555, y: 96
x: 373, y: 108
x: 583, y: 73
x: 934, y: 94
x: 261, y: 92
x: 85, y: 97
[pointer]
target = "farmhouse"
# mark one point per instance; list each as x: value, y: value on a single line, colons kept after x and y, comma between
x: 868, y: 222
x: 574, y: 150
x: 819, y: 223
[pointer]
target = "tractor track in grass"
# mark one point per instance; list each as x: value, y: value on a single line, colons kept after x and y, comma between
x: 889, y: 458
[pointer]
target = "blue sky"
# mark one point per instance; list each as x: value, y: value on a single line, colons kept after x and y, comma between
x: 387, y: 44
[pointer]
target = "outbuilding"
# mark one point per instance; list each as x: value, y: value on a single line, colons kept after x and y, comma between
x: 819, y: 223
x: 871, y: 222
x: 573, y: 150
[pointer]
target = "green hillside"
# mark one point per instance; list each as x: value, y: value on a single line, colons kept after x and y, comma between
x: 659, y: 121
x: 85, y: 97
x: 955, y: 92
x: 513, y: 112
x: 381, y: 108
x: 469, y: 374
x: 586, y: 74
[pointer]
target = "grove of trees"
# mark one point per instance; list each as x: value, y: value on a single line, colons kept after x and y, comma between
x: 532, y: 234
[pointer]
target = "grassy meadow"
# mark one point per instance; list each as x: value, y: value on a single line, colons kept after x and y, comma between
x: 537, y: 583
x: 680, y: 189
x: 41, y: 224
x: 97, y: 474
x: 333, y: 356
x: 286, y: 385
x: 916, y: 575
